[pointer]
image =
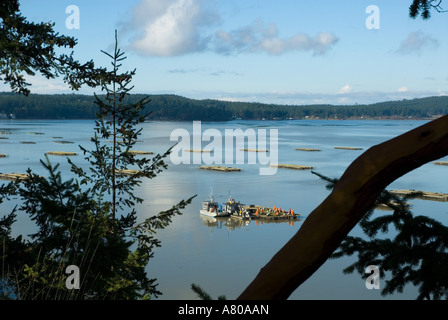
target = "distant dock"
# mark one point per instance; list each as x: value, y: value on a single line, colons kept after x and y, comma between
x: 307, y: 149
x: 348, y: 148
x: 126, y: 172
x: 13, y: 176
x: 424, y: 195
x: 292, y: 166
x: 61, y: 153
x: 136, y: 152
x: 254, y: 150
x: 219, y: 168
x: 197, y: 150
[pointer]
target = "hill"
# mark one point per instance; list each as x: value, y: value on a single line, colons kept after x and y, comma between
x: 177, y: 108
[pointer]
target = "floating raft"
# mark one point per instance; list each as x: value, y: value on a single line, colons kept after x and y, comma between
x: 27, y: 142
x: 385, y: 207
x: 219, y: 168
x: 292, y: 166
x: 63, y: 141
x: 254, y: 150
x: 425, y: 195
x: 61, y: 153
x: 126, y: 172
x: 348, y: 148
x: 266, y: 213
x: 197, y: 150
x: 3, y: 155
x: 139, y: 152
x: 307, y: 149
x: 4, y: 138
x: 13, y: 176
x: 441, y: 163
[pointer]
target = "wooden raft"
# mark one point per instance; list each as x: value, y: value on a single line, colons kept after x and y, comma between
x: 254, y: 150
x: 308, y: 149
x: 292, y: 166
x: 348, y: 148
x: 219, y: 168
x: 425, y: 195
x: 13, y: 176
x: 61, y: 153
x: 197, y: 150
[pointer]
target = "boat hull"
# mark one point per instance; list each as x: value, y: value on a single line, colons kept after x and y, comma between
x: 213, y: 214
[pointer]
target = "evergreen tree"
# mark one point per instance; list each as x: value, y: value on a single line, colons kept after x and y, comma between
x: 86, y: 223
x: 115, y: 170
x: 424, y: 7
x: 76, y: 223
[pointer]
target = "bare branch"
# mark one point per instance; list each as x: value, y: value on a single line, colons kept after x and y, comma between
x: 353, y: 196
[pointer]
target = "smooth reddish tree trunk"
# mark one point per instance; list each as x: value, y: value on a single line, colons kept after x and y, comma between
x: 353, y: 195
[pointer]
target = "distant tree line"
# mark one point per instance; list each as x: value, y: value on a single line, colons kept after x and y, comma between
x: 177, y: 108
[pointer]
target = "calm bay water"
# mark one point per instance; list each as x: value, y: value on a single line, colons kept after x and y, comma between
x: 224, y: 258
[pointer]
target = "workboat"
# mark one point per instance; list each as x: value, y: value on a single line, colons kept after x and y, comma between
x: 232, y: 207
x: 236, y: 209
x: 211, y: 208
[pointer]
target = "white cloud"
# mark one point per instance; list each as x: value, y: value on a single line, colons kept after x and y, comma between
x: 416, y: 42
x: 403, y: 89
x: 176, y: 27
x: 261, y: 38
x: 345, y: 89
x: 169, y: 27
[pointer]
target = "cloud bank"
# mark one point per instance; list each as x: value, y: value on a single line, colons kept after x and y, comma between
x: 416, y: 42
x: 302, y: 98
x: 177, y: 27
x: 261, y: 38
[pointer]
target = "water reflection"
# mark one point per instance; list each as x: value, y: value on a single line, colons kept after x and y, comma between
x: 243, y: 247
x: 234, y: 223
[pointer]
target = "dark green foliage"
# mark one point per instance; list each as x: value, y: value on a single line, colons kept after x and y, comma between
x: 171, y: 107
x: 13, y: 250
x: 115, y: 135
x: 424, y: 7
x: 71, y: 231
x: 89, y: 221
x: 202, y: 294
x: 30, y: 48
x: 417, y: 254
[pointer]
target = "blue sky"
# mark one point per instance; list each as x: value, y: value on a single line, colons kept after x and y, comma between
x: 282, y: 51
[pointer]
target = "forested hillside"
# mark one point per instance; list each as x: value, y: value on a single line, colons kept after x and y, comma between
x: 172, y: 107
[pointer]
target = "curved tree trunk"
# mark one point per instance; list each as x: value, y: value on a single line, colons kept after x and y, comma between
x: 353, y: 195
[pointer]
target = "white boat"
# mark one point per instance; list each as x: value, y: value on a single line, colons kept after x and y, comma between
x: 211, y: 208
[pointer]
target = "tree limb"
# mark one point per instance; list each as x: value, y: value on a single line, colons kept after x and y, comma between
x: 353, y: 195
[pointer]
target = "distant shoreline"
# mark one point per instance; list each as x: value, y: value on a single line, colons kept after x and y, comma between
x: 178, y: 108
x: 174, y: 120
